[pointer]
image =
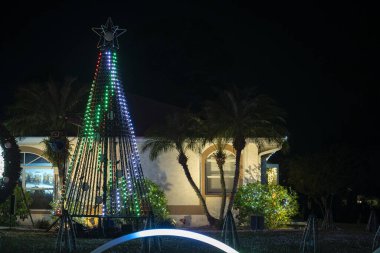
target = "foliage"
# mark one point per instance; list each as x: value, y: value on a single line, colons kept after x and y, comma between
x: 238, y: 114
x: 56, y: 212
x: 178, y: 133
x: 21, y: 208
x: 323, y: 175
x: 52, y: 154
x: 40, y: 109
x: 276, y: 203
x: 245, y: 113
x: 12, y: 169
x: 44, y: 109
x: 57, y: 150
x: 55, y: 207
x: 157, y: 200
x: 42, y: 224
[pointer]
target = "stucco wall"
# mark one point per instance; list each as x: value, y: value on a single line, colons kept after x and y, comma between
x: 167, y: 172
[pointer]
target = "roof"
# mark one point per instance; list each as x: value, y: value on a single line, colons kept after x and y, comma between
x: 146, y: 112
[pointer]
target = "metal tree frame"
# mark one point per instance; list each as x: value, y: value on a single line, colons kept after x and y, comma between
x: 229, y: 233
x: 104, y: 178
x: 309, y: 241
x: 376, y: 240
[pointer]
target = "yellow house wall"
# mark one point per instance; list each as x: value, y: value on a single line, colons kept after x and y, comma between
x: 168, y: 173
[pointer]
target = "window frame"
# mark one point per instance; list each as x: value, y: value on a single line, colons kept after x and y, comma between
x: 41, y: 166
x: 208, y: 191
x: 205, y: 154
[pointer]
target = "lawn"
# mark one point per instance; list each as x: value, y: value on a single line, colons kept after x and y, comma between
x: 347, y: 239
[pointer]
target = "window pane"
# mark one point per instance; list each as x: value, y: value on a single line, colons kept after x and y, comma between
x: 39, y: 178
x: 29, y: 157
x: 35, y: 160
x: 41, y: 198
x: 41, y: 160
x: 213, y: 185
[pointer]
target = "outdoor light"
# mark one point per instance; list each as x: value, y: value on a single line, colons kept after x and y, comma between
x: 166, y: 232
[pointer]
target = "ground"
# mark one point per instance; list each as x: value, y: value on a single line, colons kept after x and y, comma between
x: 347, y: 239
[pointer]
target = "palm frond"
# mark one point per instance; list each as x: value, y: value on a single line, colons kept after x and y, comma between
x: 245, y: 113
x: 42, y: 108
x: 157, y: 146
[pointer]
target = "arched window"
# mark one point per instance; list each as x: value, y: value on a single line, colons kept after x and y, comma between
x: 38, y: 179
x: 212, y: 173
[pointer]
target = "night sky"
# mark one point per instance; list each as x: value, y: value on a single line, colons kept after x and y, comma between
x: 319, y: 61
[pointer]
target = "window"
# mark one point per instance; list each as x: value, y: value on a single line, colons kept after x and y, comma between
x: 212, y: 181
x: 38, y: 179
x: 272, y: 173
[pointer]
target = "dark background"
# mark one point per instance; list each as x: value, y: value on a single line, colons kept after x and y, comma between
x: 318, y: 60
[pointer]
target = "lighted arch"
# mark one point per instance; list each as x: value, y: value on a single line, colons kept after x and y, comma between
x: 166, y: 232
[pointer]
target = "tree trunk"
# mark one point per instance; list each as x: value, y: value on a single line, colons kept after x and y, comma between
x: 236, y: 180
x: 61, y: 175
x: 220, y: 158
x: 182, y: 159
x: 328, y: 221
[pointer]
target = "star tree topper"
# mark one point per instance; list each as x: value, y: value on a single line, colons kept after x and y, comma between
x: 108, y: 34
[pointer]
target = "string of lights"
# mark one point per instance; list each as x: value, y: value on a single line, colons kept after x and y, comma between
x: 104, y: 176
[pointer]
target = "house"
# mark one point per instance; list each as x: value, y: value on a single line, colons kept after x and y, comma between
x: 40, y: 177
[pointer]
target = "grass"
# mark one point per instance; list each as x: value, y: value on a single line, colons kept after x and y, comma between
x: 347, y: 239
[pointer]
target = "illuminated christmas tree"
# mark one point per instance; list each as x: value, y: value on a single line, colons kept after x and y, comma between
x: 104, y: 177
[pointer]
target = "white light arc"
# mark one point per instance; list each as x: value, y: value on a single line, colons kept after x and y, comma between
x: 165, y: 232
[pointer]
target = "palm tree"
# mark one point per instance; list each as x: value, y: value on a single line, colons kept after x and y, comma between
x: 179, y: 133
x: 48, y: 109
x: 220, y: 158
x: 242, y: 114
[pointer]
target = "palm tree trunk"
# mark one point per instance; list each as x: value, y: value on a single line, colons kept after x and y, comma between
x: 224, y: 193
x: 182, y: 159
x: 220, y: 160
x: 61, y: 176
x: 236, y: 180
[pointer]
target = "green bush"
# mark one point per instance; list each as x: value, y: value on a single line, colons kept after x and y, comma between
x: 276, y: 203
x: 42, y: 224
x: 21, y: 208
x: 158, y: 201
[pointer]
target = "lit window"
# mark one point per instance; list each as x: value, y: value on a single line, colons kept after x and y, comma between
x: 38, y: 179
x: 213, y: 185
x: 272, y: 173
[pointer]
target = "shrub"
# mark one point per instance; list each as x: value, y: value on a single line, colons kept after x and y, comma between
x: 21, y: 208
x: 42, y: 224
x: 158, y: 201
x: 276, y: 203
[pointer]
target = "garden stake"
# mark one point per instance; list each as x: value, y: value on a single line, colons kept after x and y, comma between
x: 310, y: 236
x: 229, y: 233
